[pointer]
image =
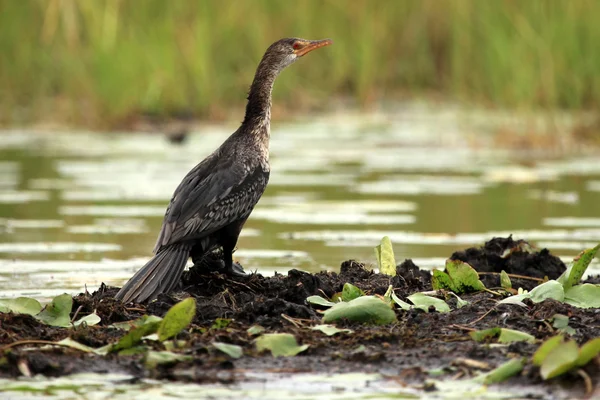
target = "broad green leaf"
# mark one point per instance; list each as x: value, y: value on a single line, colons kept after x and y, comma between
x: 561, y: 323
x: 76, y: 345
x: 320, y: 301
x: 135, y: 350
x: 177, y: 319
x: 502, y: 372
x: 505, y: 280
x: 330, y: 330
x: 403, y: 305
x: 255, y: 330
x: 547, y: 290
x: 441, y: 281
x: 573, y: 274
x: 127, y: 325
x: 367, y: 309
x: 21, y: 305
x: 90, y: 320
x: 351, y: 292
x: 423, y: 302
x: 588, y: 351
x: 585, y: 295
x: 280, y: 344
x: 221, y: 323
x: 155, y: 358
x: 545, y: 348
x: 464, y: 278
x: 384, y: 253
x: 232, y: 350
x: 57, y: 313
x: 504, y: 335
x: 560, y: 360
x: 135, y: 335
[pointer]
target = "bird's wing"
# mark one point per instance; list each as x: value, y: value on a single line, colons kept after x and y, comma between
x: 217, y: 192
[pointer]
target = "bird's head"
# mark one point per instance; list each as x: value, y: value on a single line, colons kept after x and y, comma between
x: 285, y: 51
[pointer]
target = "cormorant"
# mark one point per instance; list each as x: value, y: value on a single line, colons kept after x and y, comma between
x: 212, y: 203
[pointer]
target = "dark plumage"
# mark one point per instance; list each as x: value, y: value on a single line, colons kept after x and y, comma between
x: 211, y: 204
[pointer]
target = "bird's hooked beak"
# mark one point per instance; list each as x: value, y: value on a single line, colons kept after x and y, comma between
x: 302, y: 47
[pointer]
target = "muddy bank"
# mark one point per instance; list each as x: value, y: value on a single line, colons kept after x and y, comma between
x: 405, y: 350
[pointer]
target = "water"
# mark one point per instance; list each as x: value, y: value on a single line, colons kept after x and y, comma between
x: 78, y: 209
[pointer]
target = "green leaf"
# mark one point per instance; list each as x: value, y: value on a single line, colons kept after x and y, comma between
x: 585, y: 295
x: 177, y: 319
x: 89, y: 320
x: 403, y: 305
x: 280, y: 344
x: 505, y: 280
x: 460, y: 303
x: 459, y: 277
x: 384, y: 253
x: 320, y: 301
x: 351, y: 292
x: 545, y: 348
x: 255, y: 330
x: 502, y: 372
x: 330, y: 330
x: 135, y: 335
x: 367, y: 309
x: 588, y: 351
x: 560, y: 360
x: 127, y: 325
x: 155, y: 358
x: 76, y: 345
x: 504, y: 335
x: 423, y: 302
x: 547, y: 290
x: 573, y: 274
x: 220, y: 323
x: 232, y: 350
x: 561, y: 323
x: 57, y: 313
x: 21, y: 305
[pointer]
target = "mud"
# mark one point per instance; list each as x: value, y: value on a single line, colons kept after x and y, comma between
x: 418, y: 342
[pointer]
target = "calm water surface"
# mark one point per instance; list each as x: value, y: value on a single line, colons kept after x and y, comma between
x: 78, y: 209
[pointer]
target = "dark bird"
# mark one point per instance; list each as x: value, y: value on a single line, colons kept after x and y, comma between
x: 214, y: 200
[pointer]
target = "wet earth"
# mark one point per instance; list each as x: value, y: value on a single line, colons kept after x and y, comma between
x: 405, y: 351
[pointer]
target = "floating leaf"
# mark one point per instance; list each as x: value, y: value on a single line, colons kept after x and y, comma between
x: 585, y: 295
x: 280, y: 344
x: 330, y: 330
x: 135, y: 335
x: 423, y: 302
x: 21, y: 305
x: 459, y: 277
x: 232, y: 350
x: 505, y: 280
x: 89, y: 320
x: 573, y: 274
x: 154, y: 358
x: 320, y: 301
x: 502, y: 372
x: 560, y: 360
x: 588, y: 351
x: 384, y: 253
x: 177, y: 318
x: 545, y: 348
x: 351, y: 292
x: 255, y: 330
x: 57, y: 313
x: 367, y: 309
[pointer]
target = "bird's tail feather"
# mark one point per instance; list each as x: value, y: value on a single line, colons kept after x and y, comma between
x: 159, y: 275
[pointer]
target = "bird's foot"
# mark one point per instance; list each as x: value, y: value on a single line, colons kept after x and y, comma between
x: 235, y: 270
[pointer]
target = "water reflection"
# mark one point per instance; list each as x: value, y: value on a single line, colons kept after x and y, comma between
x: 82, y: 208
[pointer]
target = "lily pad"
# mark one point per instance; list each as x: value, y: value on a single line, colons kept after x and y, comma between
x: 367, y: 309
x: 232, y: 350
x: 384, y: 253
x: 280, y: 344
x: 177, y: 318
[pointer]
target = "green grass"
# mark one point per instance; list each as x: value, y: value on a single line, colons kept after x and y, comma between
x: 99, y: 62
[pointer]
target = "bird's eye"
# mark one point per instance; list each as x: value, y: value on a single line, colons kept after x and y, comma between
x: 296, y: 45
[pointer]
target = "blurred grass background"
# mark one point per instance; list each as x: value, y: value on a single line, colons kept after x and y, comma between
x: 101, y: 63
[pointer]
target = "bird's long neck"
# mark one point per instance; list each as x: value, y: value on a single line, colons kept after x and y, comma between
x: 258, y: 110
